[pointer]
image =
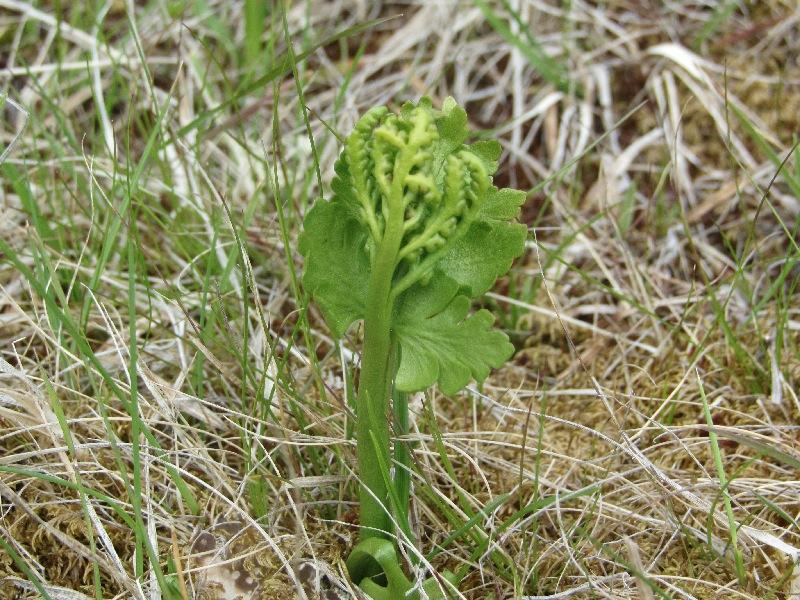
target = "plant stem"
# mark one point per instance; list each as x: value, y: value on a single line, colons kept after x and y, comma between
x: 374, y: 387
x: 378, y: 366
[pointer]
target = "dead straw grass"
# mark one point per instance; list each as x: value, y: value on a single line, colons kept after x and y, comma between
x: 662, y: 227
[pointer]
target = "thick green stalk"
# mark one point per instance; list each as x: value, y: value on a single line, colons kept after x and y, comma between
x: 377, y: 364
x: 374, y: 387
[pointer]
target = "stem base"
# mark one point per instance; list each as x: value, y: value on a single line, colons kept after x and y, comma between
x: 374, y: 567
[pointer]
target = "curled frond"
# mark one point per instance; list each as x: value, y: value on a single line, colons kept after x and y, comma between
x: 402, y: 168
x: 415, y: 216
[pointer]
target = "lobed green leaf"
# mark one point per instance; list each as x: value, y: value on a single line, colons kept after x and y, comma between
x: 490, y: 245
x: 440, y: 341
x: 460, y: 234
x: 337, y: 264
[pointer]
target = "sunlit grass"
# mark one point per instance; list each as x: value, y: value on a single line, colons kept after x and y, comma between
x: 164, y: 376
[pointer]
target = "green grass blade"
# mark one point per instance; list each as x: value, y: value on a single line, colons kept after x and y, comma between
x: 733, y: 527
x: 282, y: 67
x: 551, y: 70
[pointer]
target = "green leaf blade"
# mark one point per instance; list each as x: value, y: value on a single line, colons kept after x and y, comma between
x: 491, y: 244
x: 336, y: 263
x: 420, y: 249
x: 440, y: 341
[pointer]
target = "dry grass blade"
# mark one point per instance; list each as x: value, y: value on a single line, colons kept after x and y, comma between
x: 153, y: 177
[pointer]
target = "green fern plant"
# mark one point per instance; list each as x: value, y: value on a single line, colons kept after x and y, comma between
x: 414, y: 231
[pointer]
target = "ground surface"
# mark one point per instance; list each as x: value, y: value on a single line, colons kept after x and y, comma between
x: 172, y: 412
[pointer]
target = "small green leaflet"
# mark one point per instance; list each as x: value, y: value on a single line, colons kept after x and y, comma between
x: 440, y: 342
x: 337, y: 266
x: 495, y: 239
